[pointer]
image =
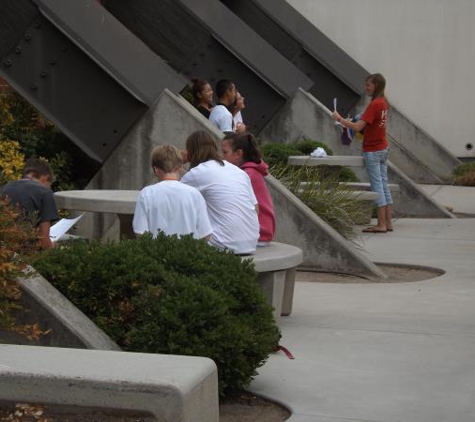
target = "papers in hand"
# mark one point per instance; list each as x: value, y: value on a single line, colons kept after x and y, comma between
x: 61, y: 227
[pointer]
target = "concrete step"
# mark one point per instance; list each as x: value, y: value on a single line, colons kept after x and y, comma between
x: 334, y: 160
x: 362, y: 186
x: 358, y: 195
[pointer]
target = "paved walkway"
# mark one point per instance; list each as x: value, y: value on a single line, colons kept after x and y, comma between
x: 380, y: 352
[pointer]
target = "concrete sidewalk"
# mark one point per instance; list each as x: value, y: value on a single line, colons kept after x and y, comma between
x: 460, y: 198
x: 381, y: 352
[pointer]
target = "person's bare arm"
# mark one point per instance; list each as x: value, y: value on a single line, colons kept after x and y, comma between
x: 241, y: 128
x: 43, y: 232
x: 356, y: 126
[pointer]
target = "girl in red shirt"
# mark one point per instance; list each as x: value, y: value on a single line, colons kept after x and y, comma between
x: 375, y: 148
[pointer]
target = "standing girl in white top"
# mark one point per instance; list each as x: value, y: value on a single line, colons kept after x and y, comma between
x: 228, y: 194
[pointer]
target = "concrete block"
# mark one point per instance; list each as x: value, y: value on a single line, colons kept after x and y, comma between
x: 323, y: 248
x: 333, y: 160
x: 69, y: 326
x: 172, y: 388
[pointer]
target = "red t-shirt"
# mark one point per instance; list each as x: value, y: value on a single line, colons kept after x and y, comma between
x: 375, y: 116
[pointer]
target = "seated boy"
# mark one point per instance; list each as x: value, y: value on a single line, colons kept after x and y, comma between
x: 34, y: 196
x: 170, y: 205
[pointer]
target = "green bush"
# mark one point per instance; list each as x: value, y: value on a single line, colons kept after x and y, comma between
x: 307, y: 146
x: 170, y: 295
x: 464, y: 175
x: 323, y: 194
x: 276, y: 154
x: 38, y: 137
x: 463, y: 169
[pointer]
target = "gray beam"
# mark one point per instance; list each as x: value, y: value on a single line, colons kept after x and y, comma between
x: 316, y: 43
x: 106, y: 41
x: 248, y: 46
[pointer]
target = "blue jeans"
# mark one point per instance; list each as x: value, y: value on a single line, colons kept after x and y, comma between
x: 376, y: 166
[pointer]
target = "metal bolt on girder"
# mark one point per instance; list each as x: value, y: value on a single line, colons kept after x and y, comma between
x: 18, y: 49
x: 27, y: 37
x: 7, y: 63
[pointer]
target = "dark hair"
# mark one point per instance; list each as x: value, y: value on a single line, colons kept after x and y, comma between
x: 197, y: 87
x: 201, y: 147
x: 247, y: 143
x: 379, y: 83
x: 222, y: 86
x: 37, y: 167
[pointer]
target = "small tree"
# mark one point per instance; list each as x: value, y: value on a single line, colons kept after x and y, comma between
x: 17, y: 241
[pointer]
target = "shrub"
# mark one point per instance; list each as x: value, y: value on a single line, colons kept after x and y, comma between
x: 463, y: 169
x: 467, y: 179
x: 18, y: 240
x: 38, y: 137
x: 307, y: 146
x: 464, y: 175
x: 11, y: 161
x: 276, y: 154
x: 323, y: 194
x: 170, y: 295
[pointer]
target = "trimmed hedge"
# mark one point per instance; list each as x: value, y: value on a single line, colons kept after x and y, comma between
x: 276, y: 154
x: 307, y: 146
x: 170, y: 295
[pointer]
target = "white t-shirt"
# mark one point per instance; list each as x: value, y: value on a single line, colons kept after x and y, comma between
x: 172, y: 207
x: 222, y: 118
x: 238, y: 119
x: 231, y: 204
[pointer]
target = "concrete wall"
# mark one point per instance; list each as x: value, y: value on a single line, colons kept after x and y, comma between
x: 424, y: 48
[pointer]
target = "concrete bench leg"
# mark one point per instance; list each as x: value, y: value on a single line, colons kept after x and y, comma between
x: 288, y: 292
x: 272, y: 285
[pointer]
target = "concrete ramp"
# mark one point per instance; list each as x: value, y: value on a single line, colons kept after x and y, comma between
x: 305, y: 116
x: 322, y: 246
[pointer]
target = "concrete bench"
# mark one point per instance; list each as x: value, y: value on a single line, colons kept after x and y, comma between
x: 171, y: 388
x: 276, y: 265
x: 333, y: 160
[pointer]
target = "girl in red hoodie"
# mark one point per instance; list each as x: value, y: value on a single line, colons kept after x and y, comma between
x: 242, y: 151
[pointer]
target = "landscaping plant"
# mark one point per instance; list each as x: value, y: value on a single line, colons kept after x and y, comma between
x: 170, y: 295
x: 18, y: 241
x: 36, y: 136
x: 324, y: 195
x: 464, y: 175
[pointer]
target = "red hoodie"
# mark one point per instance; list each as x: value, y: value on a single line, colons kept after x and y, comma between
x: 256, y: 172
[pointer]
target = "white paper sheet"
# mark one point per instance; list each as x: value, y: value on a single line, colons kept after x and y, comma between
x: 61, y: 227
